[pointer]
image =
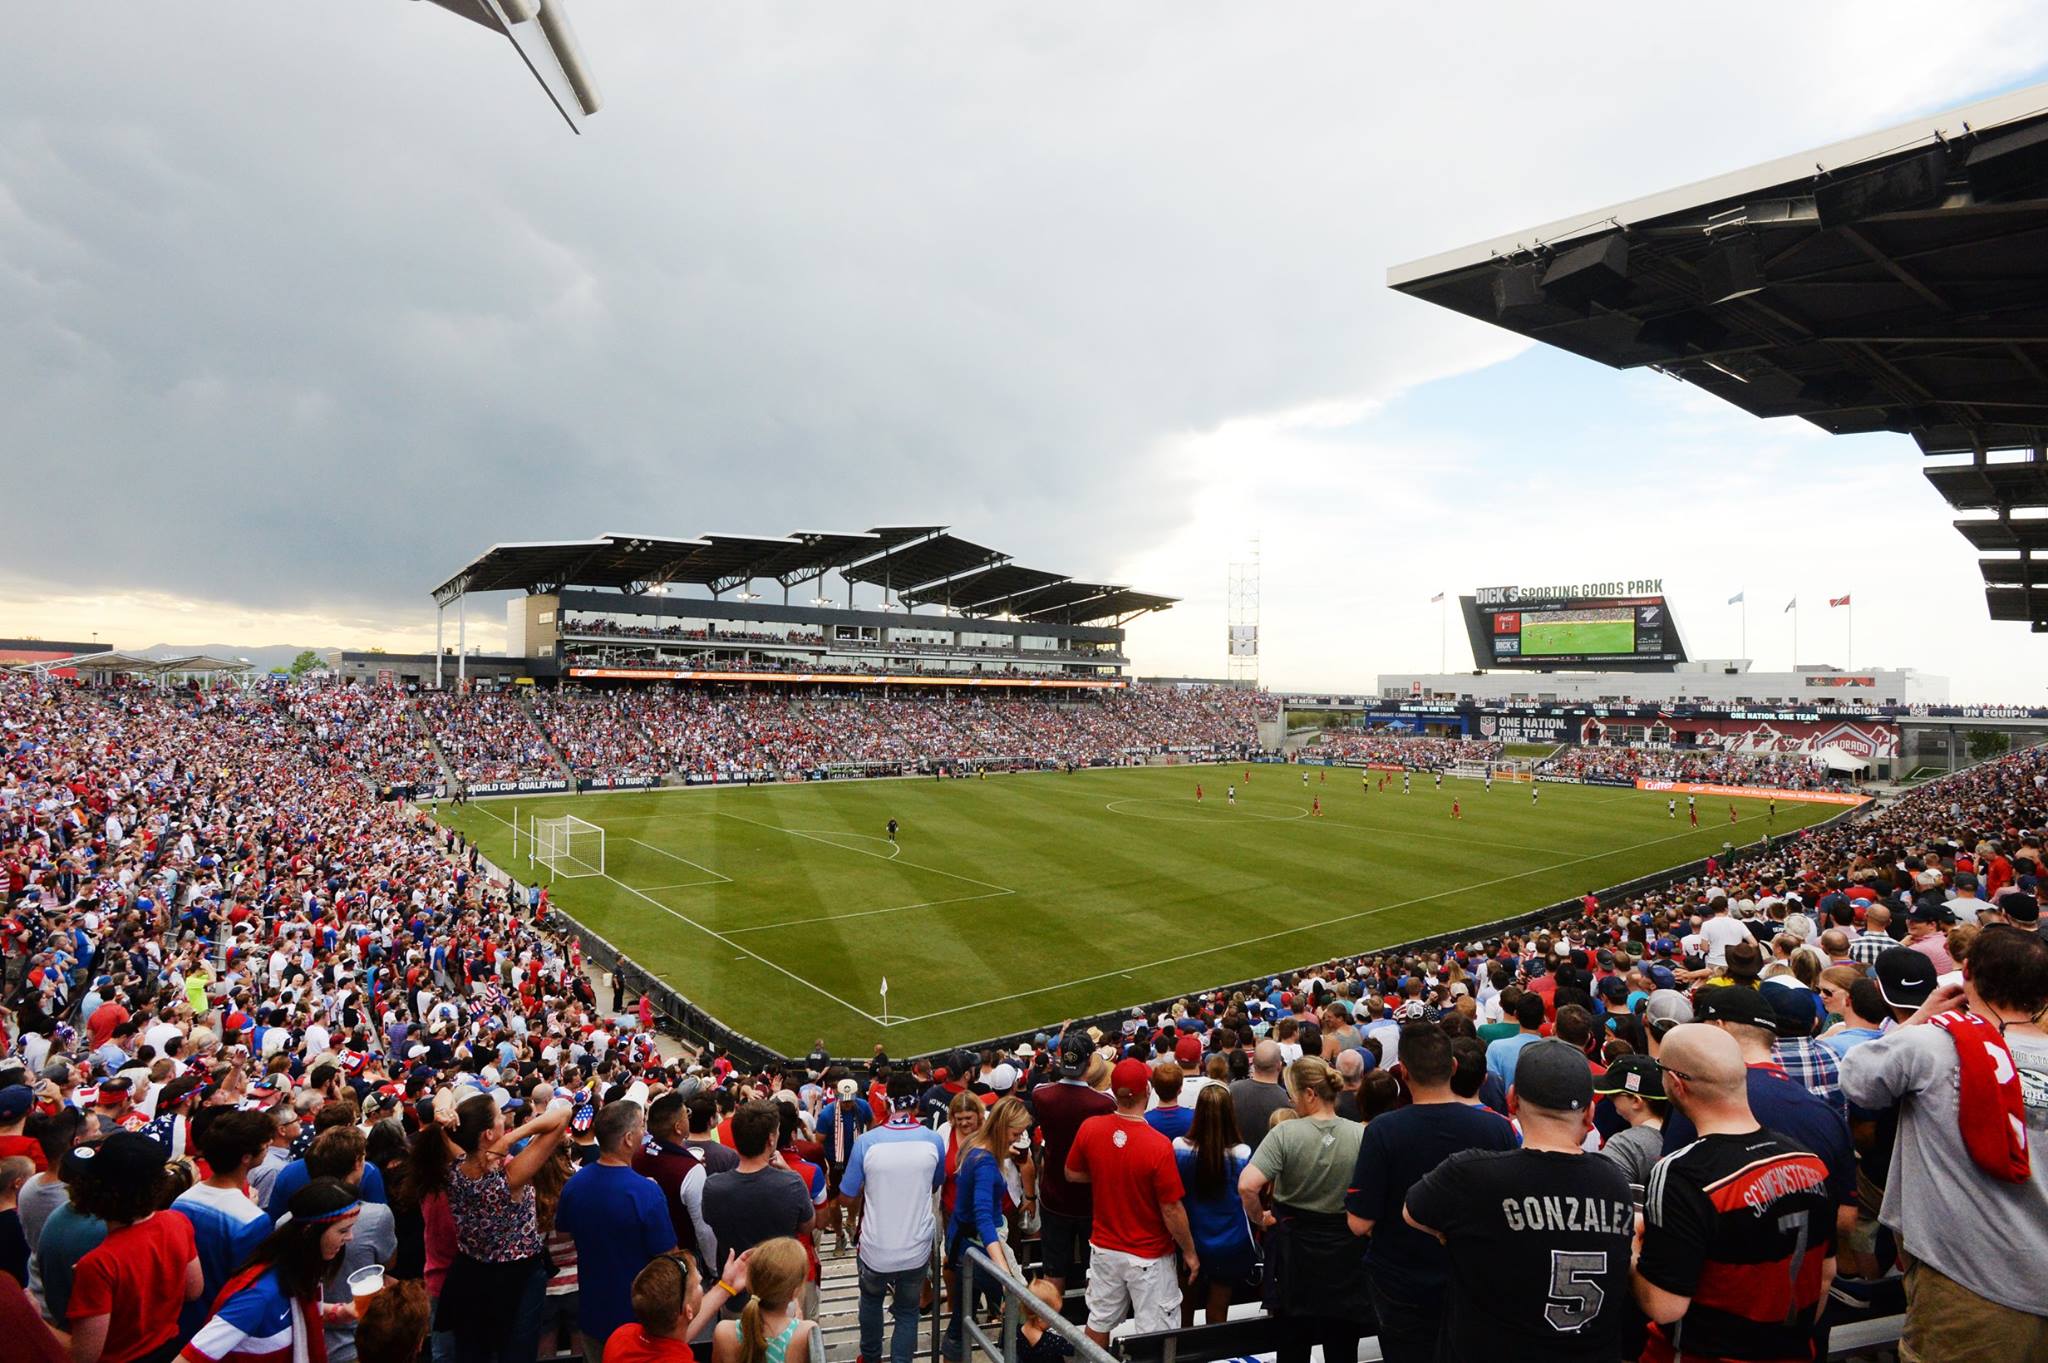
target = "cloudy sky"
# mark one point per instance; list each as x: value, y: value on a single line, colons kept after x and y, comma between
x: 299, y: 309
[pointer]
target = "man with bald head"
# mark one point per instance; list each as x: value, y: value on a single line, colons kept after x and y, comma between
x: 1876, y: 938
x: 1257, y: 1097
x: 1739, y: 1228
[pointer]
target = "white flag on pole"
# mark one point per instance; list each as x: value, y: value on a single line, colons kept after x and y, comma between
x: 885, y: 986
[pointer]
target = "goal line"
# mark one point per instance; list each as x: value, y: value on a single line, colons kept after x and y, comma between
x: 568, y: 847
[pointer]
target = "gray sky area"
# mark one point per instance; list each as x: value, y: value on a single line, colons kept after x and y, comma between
x: 302, y: 306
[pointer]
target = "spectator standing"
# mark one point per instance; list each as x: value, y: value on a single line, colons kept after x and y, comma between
x: 226, y: 1224
x: 127, y: 1292
x: 1967, y: 1192
x: 1539, y: 1237
x: 67, y: 1236
x: 759, y: 1199
x: 770, y: 1328
x: 340, y: 1154
x: 1315, y: 1274
x: 1501, y: 1055
x: 271, y: 1307
x: 1067, y: 1207
x: 1408, y: 1270
x: 675, y: 1163
x: 1635, y: 1086
x: 840, y: 1123
x: 1258, y: 1096
x: 1738, y: 1243
x: 1212, y: 1159
x: 1137, y: 1220
x: 980, y: 1195
x: 618, y: 1221
x: 492, y: 1296
x: 890, y: 1177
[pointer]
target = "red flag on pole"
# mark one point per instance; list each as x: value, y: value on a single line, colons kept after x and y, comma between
x: 1838, y: 601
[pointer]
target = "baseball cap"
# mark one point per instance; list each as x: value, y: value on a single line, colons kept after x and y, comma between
x: 1002, y: 1078
x: 1905, y: 977
x: 126, y: 1157
x: 1796, y: 1007
x: 1559, y: 1079
x: 1074, y: 1054
x: 2020, y: 906
x: 1735, y: 1003
x: 1130, y: 1076
x: 1614, y: 989
x: 848, y: 1089
x: 1666, y: 1008
x: 1187, y: 1050
x: 1636, y: 1074
x: 1927, y: 910
x: 15, y: 1101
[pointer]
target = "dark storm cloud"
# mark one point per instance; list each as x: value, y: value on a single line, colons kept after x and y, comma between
x: 308, y: 305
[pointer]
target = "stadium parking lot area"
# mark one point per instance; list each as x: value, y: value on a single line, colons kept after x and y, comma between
x: 1012, y: 902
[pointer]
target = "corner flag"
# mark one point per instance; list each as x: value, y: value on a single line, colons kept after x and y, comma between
x: 1434, y: 599
x: 1790, y: 604
x: 1838, y: 600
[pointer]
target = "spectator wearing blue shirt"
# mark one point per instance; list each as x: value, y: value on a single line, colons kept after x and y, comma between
x: 1169, y: 1118
x: 979, y: 1190
x: 1502, y: 1055
x: 619, y: 1223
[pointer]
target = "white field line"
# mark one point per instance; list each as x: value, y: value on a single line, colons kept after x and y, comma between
x: 687, y: 862
x: 1294, y: 932
x: 684, y: 885
x: 721, y: 937
x: 828, y: 834
x: 861, y: 851
x: 1260, y: 817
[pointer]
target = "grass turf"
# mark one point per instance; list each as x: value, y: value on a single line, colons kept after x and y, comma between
x: 1542, y: 639
x: 1013, y: 902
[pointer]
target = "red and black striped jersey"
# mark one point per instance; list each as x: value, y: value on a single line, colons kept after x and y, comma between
x: 1743, y: 1226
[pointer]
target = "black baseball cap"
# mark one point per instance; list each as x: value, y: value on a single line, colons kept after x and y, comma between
x: 1929, y: 910
x: 2020, y: 906
x: 1734, y: 1003
x: 126, y: 1157
x: 1905, y: 977
x: 1554, y: 1075
x: 1074, y: 1054
x: 1636, y: 1074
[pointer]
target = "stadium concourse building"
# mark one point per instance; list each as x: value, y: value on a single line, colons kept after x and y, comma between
x: 891, y: 606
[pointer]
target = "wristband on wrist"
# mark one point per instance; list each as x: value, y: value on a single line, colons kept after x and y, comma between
x: 730, y: 1290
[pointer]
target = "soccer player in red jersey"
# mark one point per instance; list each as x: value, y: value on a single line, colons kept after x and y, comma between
x: 1198, y: 792
x: 1457, y: 811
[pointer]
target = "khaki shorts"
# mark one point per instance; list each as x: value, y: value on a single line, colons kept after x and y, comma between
x: 1948, y: 1323
x: 1120, y: 1285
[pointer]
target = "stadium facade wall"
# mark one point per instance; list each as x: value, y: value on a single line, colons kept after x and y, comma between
x: 1701, y: 683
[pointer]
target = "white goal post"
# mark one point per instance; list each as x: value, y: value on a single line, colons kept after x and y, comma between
x: 568, y: 847
x: 1501, y: 769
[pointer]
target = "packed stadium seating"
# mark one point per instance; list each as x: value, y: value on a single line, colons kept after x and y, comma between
x: 1780, y: 770
x: 1426, y: 754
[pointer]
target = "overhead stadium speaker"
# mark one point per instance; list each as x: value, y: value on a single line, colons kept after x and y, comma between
x: 2010, y: 167
x: 1516, y: 289
x: 1730, y: 270
x: 1596, y: 272
x: 1915, y: 181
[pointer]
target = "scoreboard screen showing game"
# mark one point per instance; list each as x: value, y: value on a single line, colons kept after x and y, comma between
x: 1608, y: 625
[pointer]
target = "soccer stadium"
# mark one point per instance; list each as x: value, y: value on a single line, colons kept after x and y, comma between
x: 845, y: 944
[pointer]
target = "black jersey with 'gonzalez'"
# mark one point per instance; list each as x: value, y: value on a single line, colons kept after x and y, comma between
x: 1743, y: 1225
x: 1539, y: 1248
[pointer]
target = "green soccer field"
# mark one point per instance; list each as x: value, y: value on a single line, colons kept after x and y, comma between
x: 1016, y: 901
x: 1543, y: 639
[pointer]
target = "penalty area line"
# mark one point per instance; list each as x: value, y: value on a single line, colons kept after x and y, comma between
x: 868, y: 913
x: 862, y: 851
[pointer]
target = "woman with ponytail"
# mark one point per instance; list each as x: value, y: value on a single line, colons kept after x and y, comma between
x: 271, y: 1307
x: 770, y: 1329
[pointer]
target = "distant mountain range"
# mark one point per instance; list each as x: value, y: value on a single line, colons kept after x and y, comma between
x: 264, y: 658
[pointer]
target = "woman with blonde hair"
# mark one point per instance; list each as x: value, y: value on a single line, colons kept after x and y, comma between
x: 979, y: 1201
x: 1315, y: 1274
x: 770, y: 1329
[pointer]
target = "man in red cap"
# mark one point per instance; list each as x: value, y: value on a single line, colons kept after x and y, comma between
x: 1138, y: 1218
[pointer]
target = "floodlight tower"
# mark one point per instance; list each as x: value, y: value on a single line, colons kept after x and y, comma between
x: 1241, y: 595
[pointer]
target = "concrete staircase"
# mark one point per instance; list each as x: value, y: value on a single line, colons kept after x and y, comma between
x: 839, y: 1306
x: 568, y: 773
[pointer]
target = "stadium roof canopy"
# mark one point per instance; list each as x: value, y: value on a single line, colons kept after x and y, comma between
x: 1892, y: 282
x: 539, y: 32
x: 1111, y: 603
x: 924, y: 563
x: 136, y: 664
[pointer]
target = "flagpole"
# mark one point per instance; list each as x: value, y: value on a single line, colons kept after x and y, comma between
x: 1795, y: 634
x: 1745, y: 621
x: 1443, y: 631
x: 1849, y: 662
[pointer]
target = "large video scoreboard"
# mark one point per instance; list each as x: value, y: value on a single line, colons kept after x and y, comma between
x: 1624, y: 625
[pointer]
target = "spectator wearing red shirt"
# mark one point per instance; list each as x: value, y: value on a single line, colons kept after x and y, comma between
x: 127, y: 1292
x: 1138, y: 1218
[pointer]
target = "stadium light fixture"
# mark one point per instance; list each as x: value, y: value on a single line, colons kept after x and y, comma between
x: 539, y: 31
x: 823, y: 601
x: 746, y: 596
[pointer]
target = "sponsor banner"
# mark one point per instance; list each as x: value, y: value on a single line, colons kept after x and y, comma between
x: 847, y: 678
x: 1744, y: 734
x: 1832, y: 681
x: 1810, y: 797
x: 1526, y: 728
x: 1622, y: 781
x: 529, y: 786
x: 1565, y: 780
x: 621, y: 782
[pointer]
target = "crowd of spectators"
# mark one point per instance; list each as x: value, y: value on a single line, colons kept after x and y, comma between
x: 1710, y: 766
x: 487, y: 736
x: 238, y: 986
x: 368, y: 728
x: 1405, y: 750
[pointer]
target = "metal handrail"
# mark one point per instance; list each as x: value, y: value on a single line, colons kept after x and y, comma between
x: 1017, y: 1298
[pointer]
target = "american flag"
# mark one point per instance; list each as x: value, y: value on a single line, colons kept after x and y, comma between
x: 1842, y: 600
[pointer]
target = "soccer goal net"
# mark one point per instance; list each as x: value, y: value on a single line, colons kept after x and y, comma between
x: 567, y: 846
x: 1505, y: 769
